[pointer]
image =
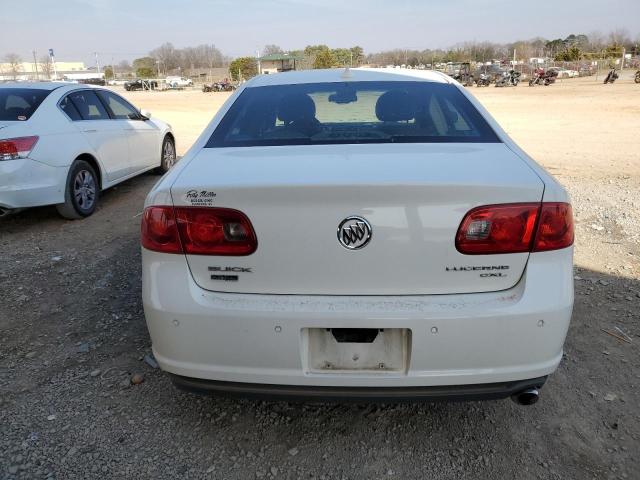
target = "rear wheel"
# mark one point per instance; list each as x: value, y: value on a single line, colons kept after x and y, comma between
x: 168, y: 158
x: 81, y: 192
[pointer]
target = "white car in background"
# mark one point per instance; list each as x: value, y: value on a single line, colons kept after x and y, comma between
x: 371, y: 234
x: 175, y: 82
x: 61, y: 144
x: 564, y: 73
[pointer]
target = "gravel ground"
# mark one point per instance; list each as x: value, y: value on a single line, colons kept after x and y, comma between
x: 80, y: 398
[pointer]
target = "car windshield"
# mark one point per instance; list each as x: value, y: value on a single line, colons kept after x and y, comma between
x: 351, y: 112
x: 18, y: 104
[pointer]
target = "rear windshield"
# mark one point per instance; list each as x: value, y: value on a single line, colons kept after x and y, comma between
x: 351, y: 112
x: 18, y: 104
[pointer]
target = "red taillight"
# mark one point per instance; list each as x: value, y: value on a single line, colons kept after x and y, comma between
x: 555, y: 227
x: 12, y: 148
x: 198, y: 231
x: 215, y: 231
x: 515, y: 228
x: 159, y: 230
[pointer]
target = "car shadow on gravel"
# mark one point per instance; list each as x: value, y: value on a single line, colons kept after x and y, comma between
x: 81, y: 399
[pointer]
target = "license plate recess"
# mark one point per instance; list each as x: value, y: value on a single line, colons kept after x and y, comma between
x: 382, y: 351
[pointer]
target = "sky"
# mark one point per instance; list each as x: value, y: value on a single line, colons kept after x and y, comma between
x: 127, y: 29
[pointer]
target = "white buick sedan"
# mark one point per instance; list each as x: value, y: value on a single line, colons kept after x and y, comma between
x: 360, y: 234
x: 61, y: 144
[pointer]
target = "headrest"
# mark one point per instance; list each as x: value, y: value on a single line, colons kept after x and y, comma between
x: 395, y: 106
x: 81, y: 105
x: 296, y: 107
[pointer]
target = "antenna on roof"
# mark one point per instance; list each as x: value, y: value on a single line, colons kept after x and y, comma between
x: 346, y: 74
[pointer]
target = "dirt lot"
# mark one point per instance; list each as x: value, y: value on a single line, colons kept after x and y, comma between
x: 72, y: 334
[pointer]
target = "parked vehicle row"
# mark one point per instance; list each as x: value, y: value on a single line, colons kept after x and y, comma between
x: 177, y: 83
x: 62, y: 144
x: 223, y: 86
x: 486, y: 75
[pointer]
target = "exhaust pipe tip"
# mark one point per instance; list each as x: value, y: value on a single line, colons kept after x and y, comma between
x: 526, y: 397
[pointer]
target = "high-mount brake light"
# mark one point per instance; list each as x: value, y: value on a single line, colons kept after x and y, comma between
x: 515, y: 228
x: 198, y: 231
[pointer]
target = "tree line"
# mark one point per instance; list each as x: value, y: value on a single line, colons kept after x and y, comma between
x: 167, y: 59
x: 572, y: 48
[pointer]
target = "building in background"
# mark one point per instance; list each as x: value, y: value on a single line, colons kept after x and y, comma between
x: 278, y: 62
x: 25, y: 71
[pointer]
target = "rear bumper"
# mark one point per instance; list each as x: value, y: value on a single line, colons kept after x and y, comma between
x: 456, y: 340
x: 28, y: 183
x: 489, y: 391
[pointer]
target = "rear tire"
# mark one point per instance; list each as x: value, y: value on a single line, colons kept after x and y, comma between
x: 81, y: 192
x: 167, y: 156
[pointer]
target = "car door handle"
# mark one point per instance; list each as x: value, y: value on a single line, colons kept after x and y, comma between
x: 93, y: 130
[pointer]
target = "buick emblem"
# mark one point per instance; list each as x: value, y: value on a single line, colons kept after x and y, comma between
x: 354, y: 232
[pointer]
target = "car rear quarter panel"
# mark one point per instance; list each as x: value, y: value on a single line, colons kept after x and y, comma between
x: 554, y: 191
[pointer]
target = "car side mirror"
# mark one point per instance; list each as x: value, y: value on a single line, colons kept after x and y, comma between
x: 145, y: 114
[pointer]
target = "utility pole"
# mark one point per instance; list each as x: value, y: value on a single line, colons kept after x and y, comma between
x: 258, y: 59
x: 97, y: 63
x: 35, y: 65
x: 53, y: 62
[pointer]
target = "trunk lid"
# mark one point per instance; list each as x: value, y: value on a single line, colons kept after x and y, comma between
x: 414, y: 196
